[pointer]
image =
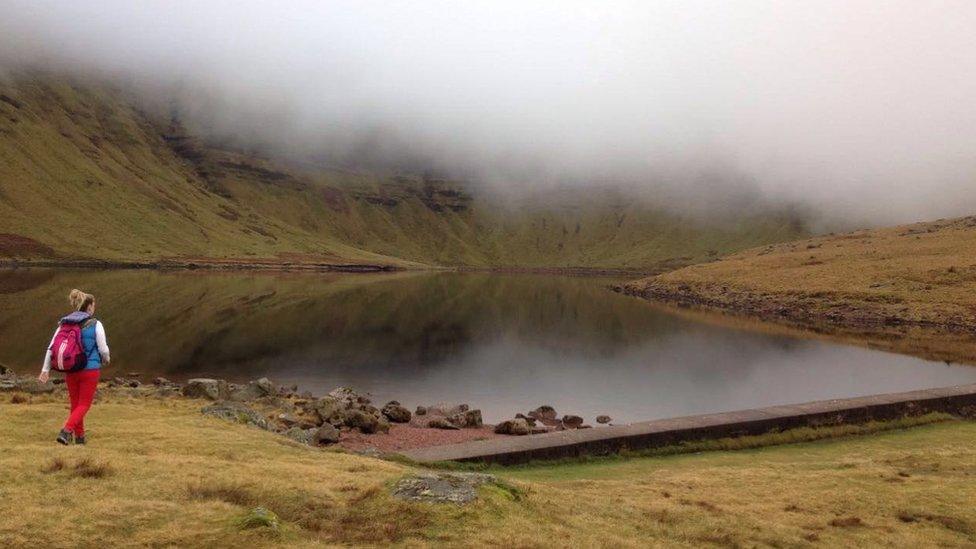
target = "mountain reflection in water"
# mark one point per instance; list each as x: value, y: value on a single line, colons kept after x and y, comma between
x: 504, y: 343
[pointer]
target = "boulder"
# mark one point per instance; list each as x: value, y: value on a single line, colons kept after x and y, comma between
x: 348, y: 397
x: 254, y: 390
x: 328, y: 410
x: 326, y: 434
x: 447, y: 409
x: 4, y: 370
x: 603, y: 420
x: 358, y: 419
x: 236, y: 412
x: 421, y: 411
x: 396, y: 413
x: 287, y: 420
x: 442, y: 423
x: 572, y: 422
x: 162, y: 381
x: 545, y: 414
x: 210, y: 389
x: 468, y: 418
x: 517, y: 426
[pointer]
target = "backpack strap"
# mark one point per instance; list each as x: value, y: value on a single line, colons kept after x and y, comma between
x: 88, y: 324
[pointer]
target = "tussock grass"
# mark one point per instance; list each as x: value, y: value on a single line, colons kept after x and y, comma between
x: 80, y: 468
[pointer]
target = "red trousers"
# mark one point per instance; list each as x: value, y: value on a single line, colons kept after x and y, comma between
x: 81, y: 391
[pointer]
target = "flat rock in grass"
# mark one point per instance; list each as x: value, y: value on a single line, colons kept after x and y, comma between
x: 457, y: 488
x: 236, y: 412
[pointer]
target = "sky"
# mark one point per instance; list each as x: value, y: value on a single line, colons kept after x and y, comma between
x: 863, y: 110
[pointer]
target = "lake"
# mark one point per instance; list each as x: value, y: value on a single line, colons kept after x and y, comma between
x: 504, y: 343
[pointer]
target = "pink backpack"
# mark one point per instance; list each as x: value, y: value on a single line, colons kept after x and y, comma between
x: 67, y: 351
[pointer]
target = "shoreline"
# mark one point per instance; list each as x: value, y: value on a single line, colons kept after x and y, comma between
x: 809, y: 315
x: 193, y: 265
x: 288, y: 266
x: 344, y: 418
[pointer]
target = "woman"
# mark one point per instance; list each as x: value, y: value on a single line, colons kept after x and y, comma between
x: 81, y: 384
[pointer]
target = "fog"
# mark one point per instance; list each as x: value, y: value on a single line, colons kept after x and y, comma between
x: 862, y: 110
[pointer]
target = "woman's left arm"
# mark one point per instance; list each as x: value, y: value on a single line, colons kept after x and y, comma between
x: 102, y: 343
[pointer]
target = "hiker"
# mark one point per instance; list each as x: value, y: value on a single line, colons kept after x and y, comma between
x: 78, y: 349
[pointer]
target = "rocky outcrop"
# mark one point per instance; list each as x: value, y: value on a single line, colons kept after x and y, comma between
x: 603, y: 420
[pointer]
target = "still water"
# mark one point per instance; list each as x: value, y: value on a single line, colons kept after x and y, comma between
x: 504, y: 343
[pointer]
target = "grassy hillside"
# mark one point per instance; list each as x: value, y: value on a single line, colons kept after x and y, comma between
x: 156, y: 472
x: 911, y: 288
x: 86, y: 173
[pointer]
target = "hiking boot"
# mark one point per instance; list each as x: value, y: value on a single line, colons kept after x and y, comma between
x: 65, y: 437
x: 80, y: 440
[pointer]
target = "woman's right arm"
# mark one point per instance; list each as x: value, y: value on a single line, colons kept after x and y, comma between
x: 46, y: 368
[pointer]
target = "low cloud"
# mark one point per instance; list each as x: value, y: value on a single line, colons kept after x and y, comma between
x: 861, y: 110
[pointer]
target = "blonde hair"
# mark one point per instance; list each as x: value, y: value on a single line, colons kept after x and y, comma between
x: 80, y: 300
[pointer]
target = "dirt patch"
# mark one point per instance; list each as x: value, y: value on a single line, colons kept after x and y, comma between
x: 406, y: 437
x: 947, y: 522
x: 15, y: 245
x: 847, y: 522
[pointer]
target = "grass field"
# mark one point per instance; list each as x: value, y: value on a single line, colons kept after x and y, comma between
x: 158, y: 473
x: 910, y: 288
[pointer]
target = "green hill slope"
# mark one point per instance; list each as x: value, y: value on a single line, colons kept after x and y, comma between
x: 86, y: 173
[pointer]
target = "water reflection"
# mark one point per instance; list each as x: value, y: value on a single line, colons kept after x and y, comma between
x: 503, y: 342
